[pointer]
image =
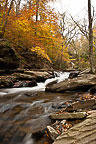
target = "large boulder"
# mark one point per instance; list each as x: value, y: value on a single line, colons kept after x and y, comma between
x: 83, y: 82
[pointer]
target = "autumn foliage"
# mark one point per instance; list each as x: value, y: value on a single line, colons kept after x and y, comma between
x: 42, y: 36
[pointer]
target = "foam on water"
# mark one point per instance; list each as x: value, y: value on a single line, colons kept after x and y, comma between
x: 60, y: 76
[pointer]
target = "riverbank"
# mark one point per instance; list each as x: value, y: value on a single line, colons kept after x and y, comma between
x: 70, y: 122
x: 76, y: 122
x: 22, y: 68
x: 24, y: 78
x: 81, y: 133
x: 29, y: 112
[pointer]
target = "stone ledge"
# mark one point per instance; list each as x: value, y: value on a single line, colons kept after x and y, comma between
x: 82, y: 133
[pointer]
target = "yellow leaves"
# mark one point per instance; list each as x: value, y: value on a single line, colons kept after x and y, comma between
x: 22, y: 25
x: 94, y: 30
x: 40, y: 52
x: 42, y: 37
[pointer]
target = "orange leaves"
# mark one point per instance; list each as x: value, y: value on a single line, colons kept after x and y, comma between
x: 46, y: 143
x: 42, y: 37
x: 87, y: 96
x: 22, y: 25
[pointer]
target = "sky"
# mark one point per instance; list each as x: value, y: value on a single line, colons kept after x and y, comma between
x: 73, y: 7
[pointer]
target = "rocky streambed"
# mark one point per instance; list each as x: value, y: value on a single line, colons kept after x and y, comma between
x: 24, y: 116
x: 38, y: 117
x: 76, y: 122
x: 23, y: 78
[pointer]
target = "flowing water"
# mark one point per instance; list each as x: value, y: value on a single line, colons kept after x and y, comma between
x: 24, y: 112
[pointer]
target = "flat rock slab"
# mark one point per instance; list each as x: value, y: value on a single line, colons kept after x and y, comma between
x: 81, y: 105
x: 75, y: 115
x: 81, y: 133
x: 37, y: 73
x: 84, y: 82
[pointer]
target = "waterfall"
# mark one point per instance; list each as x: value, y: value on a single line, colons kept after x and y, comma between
x: 59, y: 76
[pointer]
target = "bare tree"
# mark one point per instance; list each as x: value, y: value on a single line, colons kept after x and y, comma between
x: 82, y: 27
x: 90, y: 37
x: 18, y: 7
x: 37, y: 9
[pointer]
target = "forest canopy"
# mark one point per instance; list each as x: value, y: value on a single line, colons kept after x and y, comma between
x: 35, y: 25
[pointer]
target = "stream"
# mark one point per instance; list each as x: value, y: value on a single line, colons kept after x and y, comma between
x: 24, y: 112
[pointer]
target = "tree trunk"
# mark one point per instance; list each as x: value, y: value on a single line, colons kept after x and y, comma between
x: 90, y: 38
x: 37, y: 9
x: 6, y: 20
x: 18, y: 7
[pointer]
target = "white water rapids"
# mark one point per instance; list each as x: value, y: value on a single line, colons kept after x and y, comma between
x: 60, y: 76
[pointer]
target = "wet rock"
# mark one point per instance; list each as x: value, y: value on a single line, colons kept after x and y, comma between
x: 58, y: 128
x: 58, y: 106
x: 83, y: 132
x: 7, y: 81
x: 82, y: 104
x: 73, y: 74
x: 86, y: 71
x: 40, y: 76
x: 75, y: 115
x: 31, y: 94
x: 52, y: 132
x: 80, y: 83
x: 38, y: 73
x: 38, y: 135
x: 93, y: 90
x: 21, y: 76
x: 18, y: 84
x: 33, y: 75
x: 32, y: 83
x: 25, y: 84
x: 52, y: 83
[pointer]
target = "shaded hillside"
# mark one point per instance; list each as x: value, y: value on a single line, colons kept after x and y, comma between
x: 10, y: 58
